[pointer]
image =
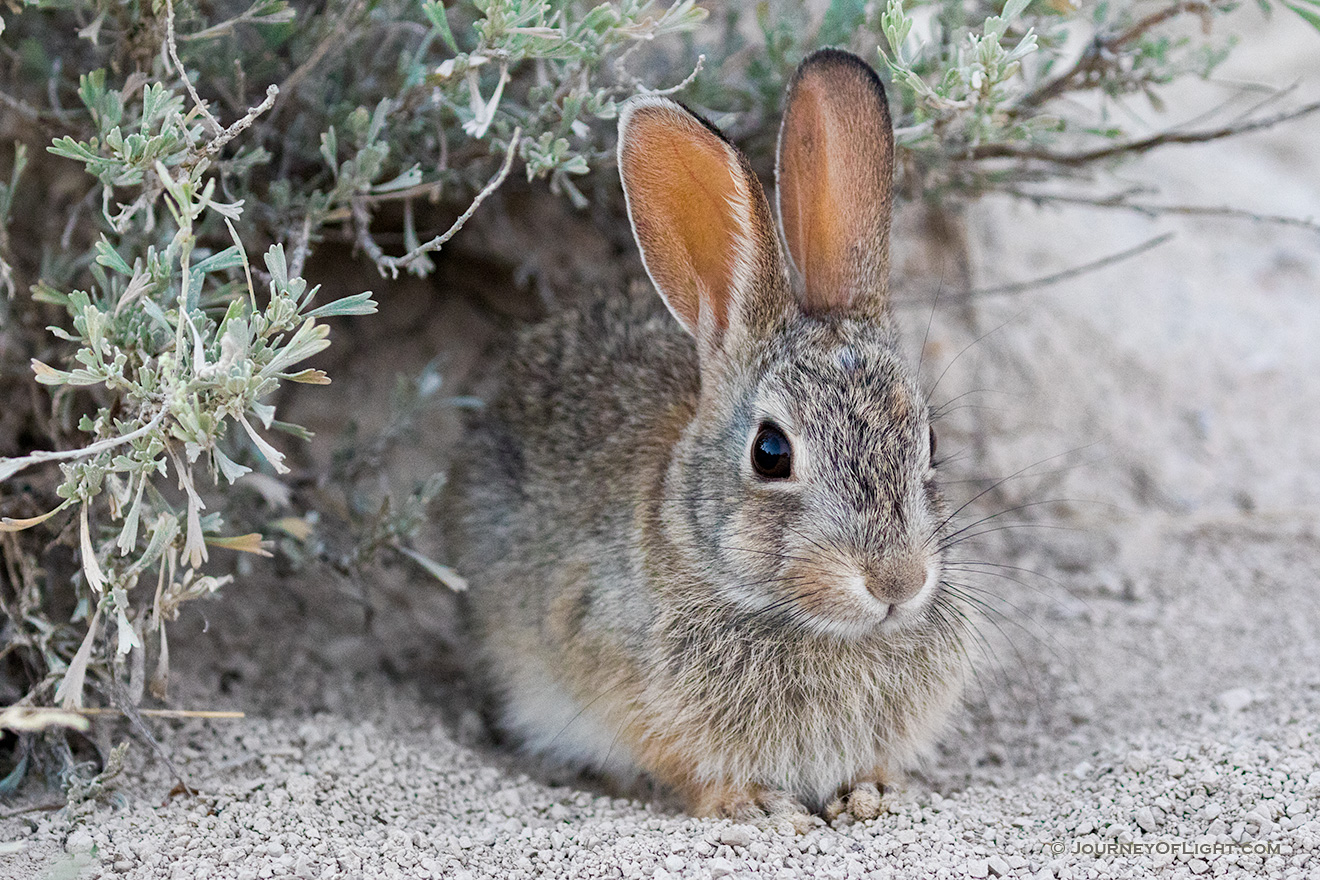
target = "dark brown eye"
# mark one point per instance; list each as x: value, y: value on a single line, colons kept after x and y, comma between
x: 932, y: 445
x: 772, y: 457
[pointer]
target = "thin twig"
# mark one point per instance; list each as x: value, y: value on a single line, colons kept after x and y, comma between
x: 37, y: 808
x: 22, y: 108
x: 205, y: 154
x: 394, y: 264
x: 134, y: 716
x: 218, y: 142
x: 422, y: 190
x: 1273, y: 96
x: 1007, y: 151
x: 1101, y: 49
x: 1120, y: 201
x: 215, y: 126
x: 1158, y: 18
x: 1068, y: 274
x: 1045, y: 280
x: 156, y: 713
x: 334, y: 38
x: 11, y: 466
x: 687, y: 81
x: 51, y: 124
x: 300, y: 247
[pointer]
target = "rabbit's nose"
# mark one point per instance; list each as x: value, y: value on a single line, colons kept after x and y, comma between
x: 897, y: 579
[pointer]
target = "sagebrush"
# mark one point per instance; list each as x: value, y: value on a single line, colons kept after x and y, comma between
x: 176, y: 164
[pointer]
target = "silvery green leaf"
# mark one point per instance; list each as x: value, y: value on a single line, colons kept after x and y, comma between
x: 410, y: 178
x: 263, y: 411
x: 154, y: 312
x: 268, y: 452
x: 278, y: 268
x: 231, y: 469
x: 228, y: 258
x: 443, y: 573
x: 435, y: 14
x: 91, y: 568
x: 1014, y: 8
x: 294, y: 430
x: 107, y: 256
x: 383, y: 108
x: 69, y: 692
x: 128, y: 638
x: 357, y: 304
x: 330, y: 149
x: 128, y: 534
x: 162, y: 535
x: 68, y: 148
x: 231, y: 210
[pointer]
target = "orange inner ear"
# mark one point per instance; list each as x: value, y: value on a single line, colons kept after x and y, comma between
x: 682, y: 194
x: 812, y: 228
x: 835, y: 181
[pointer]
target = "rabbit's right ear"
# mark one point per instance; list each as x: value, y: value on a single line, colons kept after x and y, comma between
x: 701, y: 221
x: 836, y: 178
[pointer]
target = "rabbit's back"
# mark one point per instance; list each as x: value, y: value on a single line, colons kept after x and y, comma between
x: 542, y: 497
x: 572, y: 426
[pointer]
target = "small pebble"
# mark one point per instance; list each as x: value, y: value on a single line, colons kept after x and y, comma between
x: 720, y: 867
x: 737, y: 835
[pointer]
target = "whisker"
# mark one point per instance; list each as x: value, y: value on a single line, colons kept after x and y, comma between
x: 964, y: 625
x: 1049, y: 641
x: 609, y: 690
x: 1004, y: 528
x: 966, y: 349
x: 786, y: 601
x: 975, y: 568
x: 997, y: 483
x: 1013, y: 509
x: 763, y: 552
x: 828, y: 551
x: 930, y: 321
x: 993, y: 616
x: 941, y: 410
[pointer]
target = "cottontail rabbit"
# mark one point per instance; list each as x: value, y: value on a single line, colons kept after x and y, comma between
x: 704, y: 543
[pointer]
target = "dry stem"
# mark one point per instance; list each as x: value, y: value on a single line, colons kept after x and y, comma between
x: 173, y: 49
x: 1120, y: 201
x: 1085, y: 157
x: 362, y: 220
x: 1101, y: 50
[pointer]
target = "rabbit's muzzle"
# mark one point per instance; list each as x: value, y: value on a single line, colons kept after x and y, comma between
x: 898, y: 579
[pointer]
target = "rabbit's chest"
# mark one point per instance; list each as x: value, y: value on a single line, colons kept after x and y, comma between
x: 803, y: 712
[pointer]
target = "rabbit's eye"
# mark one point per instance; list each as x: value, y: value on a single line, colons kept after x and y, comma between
x: 772, y: 457
x: 932, y: 445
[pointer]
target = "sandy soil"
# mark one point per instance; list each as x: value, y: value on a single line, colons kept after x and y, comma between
x: 1149, y: 700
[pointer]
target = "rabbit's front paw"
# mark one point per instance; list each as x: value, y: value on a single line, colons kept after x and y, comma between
x: 764, y: 808
x: 862, y: 802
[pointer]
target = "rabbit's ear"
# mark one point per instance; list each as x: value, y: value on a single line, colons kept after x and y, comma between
x: 835, y: 175
x: 701, y: 221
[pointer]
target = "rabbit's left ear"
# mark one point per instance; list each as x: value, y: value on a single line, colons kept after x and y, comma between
x: 835, y: 172
x: 702, y: 223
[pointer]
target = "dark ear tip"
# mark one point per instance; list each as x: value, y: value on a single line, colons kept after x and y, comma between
x: 664, y: 106
x: 832, y: 63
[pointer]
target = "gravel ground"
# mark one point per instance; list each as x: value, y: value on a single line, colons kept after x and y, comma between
x: 1148, y: 703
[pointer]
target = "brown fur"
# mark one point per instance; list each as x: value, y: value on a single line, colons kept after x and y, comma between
x: 641, y: 599
x: 835, y: 183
